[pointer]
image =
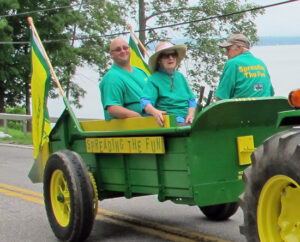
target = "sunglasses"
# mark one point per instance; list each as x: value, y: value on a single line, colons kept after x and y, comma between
x: 120, y: 48
x: 228, y: 48
x: 167, y: 55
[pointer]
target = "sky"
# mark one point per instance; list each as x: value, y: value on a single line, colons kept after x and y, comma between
x: 282, y: 20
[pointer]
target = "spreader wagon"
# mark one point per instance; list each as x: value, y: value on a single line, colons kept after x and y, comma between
x: 199, y: 165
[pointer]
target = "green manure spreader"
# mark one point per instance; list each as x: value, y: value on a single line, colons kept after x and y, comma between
x: 199, y: 165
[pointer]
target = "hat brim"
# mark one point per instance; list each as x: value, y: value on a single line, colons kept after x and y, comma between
x: 180, y: 49
x: 225, y: 44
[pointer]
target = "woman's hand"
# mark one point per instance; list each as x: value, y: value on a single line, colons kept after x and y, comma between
x: 190, y: 117
x: 157, y: 114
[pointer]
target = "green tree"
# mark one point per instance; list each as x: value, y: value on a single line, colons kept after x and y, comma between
x: 201, y: 37
x: 10, y: 92
x: 103, y: 19
x: 71, y: 33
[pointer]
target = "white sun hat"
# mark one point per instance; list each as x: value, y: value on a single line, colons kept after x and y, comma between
x: 164, y: 46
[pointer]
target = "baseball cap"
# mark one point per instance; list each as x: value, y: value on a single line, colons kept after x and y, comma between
x: 236, y: 39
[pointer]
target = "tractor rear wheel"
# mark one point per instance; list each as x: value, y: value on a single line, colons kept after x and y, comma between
x: 220, y: 212
x: 272, y: 195
x: 68, y: 196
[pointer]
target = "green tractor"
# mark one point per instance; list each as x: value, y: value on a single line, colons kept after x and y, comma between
x: 199, y: 165
x: 272, y: 194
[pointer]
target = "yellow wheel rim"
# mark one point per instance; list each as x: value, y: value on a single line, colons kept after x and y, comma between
x: 278, y: 213
x: 60, y: 198
x: 95, y: 200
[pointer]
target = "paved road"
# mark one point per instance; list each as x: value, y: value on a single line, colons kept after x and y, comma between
x: 23, y: 217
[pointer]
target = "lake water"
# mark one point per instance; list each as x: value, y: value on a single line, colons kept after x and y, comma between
x: 283, y: 62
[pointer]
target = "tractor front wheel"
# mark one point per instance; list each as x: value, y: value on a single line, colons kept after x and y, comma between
x: 68, y: 196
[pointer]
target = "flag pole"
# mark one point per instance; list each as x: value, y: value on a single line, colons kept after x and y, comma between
x: 30, y: 21
x: 137, y: 38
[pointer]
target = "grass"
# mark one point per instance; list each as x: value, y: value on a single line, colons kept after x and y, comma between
x: 17, y: 137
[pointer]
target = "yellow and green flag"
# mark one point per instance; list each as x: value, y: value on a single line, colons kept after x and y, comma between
x: 136, y: 58
x: 41, y: 126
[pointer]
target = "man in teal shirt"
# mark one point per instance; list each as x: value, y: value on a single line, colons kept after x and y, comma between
x: 243, y: 75
x: 122, y: 86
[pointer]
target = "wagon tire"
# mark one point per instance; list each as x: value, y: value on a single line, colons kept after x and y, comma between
x: 68, y: 196
x: 271, y: 198
x: 219, y: 212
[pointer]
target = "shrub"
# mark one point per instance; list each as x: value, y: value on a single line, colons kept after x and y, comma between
x: 15, y: 124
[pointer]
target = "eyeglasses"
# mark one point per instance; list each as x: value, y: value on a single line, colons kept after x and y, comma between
x: 120, y: 48
x: 167, y: 55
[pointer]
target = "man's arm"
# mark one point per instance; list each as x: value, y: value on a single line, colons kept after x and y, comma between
x: 121, y: 112
x: 226, y: 85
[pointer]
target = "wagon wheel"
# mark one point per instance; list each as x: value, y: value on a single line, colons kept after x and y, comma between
x: 220, y: 212
x: 68, y: 195
x: 272, y: 196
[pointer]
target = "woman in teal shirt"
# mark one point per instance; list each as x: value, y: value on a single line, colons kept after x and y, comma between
x: 167, y: 90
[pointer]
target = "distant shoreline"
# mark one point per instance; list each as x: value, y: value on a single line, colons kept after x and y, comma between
x: 263, y: 41
x: 278, y: 40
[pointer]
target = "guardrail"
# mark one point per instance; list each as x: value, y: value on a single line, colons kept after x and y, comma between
x: 19, y: 117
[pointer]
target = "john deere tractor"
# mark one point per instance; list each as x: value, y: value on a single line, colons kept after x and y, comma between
x: 272, y: 195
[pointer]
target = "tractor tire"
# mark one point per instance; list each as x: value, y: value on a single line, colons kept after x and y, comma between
x: 272, y: 194
x: 220, y: 212
x: 68, y: 196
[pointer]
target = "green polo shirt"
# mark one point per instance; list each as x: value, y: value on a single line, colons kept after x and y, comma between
x: 123, y: 88
x: 244, y: 76
x: 172, y: 100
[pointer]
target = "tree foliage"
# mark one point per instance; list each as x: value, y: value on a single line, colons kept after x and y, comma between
x: 9, y: 91
x: 71, y: 33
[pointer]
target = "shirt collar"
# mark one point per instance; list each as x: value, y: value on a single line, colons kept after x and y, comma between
x: 164, y: 71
